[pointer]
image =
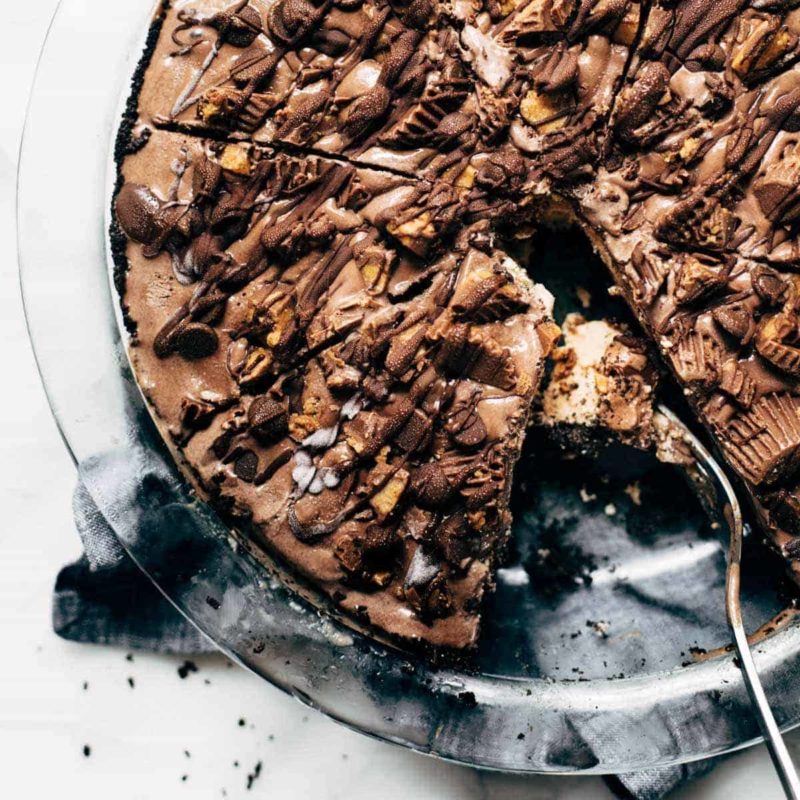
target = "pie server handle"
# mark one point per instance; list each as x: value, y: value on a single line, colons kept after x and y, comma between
x: 717, y: 495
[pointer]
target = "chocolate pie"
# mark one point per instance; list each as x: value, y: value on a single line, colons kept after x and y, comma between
x: 313, y: 225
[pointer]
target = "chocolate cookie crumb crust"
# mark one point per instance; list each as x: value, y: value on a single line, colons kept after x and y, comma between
x: 310, y: 228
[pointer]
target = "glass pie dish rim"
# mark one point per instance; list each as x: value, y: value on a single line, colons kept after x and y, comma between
x: 444, y: 710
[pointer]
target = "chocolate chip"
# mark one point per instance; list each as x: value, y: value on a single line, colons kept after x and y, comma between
x: 430, y: 486
x: 196, y: 340
x: 246, y: 466
x: 768, y: 283
x: 268, y: 419
x: 466, y: 427
x: 138, y: 212
x: 733, y: 318
x: 222, y: 444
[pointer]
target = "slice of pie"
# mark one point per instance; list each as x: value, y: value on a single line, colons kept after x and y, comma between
x: 602, y: 387
x: 343, y: 390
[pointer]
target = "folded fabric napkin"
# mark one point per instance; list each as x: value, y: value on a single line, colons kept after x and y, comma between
x: 104, y: 598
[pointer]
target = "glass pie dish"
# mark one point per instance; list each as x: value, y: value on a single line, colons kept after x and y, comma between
x: 604, y: 647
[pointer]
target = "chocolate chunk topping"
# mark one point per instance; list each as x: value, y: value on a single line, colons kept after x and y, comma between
x: 430, y: 485
x: 138, y: 211
x: 239, y: 24
x: 735, y: 319
x: 268, y: 419
x: 246, y: 466
x: 196, y: 340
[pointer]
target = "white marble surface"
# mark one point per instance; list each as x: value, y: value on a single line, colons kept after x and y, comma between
x: 145, y: 738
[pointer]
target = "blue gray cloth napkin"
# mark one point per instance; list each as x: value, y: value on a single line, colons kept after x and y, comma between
x: 104, y: 598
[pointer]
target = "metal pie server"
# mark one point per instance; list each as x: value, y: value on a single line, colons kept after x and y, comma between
x: 720, y: 501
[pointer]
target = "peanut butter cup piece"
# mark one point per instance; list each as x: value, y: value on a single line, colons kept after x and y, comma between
x: 764, y: 442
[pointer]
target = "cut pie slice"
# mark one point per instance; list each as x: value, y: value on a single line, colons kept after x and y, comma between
x: 602, y: 387
x: 351, y: 396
